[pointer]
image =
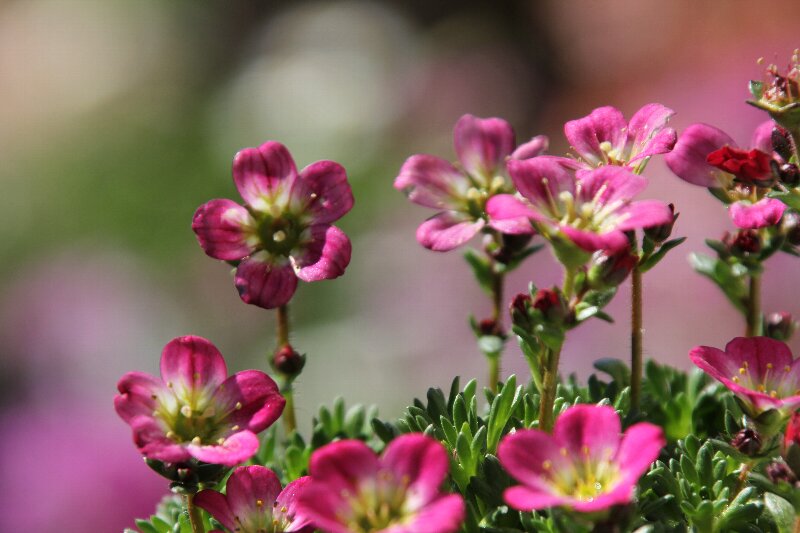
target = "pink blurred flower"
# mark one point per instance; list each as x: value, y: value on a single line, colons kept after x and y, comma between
x: 708, y: 157
x: 604, y: 137
x: 352, y: 490
x: 592, y: 208
x: 284, y: 231
x: 586, y: 464
x: 482, y: 146
x: 195, y: 410
x: 760, y: 371
x: 254, y: 503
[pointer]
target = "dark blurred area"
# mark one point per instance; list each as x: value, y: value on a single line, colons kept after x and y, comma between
x: 118, y: 119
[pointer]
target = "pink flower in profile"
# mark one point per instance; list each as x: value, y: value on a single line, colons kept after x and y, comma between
x: 592, y: 208
x: 586, y: 464
x: 255, y: 503
x: 352, y: 490
x: 604, y: 137
x: 460, y: 192
x: 760, y: 371
x: 284, y: 231
x: 195, y: 410
x: 708, y: 157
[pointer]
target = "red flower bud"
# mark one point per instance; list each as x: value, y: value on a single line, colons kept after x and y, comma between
x: 288, y: 362
x: 779, y: 326
x: 743, y: 243
x: 747, y: 441
x: 610, y: 269
x: 551, y: 304
x: 752, y: 168
x: 661, y: 233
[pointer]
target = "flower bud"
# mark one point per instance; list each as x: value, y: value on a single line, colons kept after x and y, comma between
x: 551, y: 304
x: 778, y: 472
x: 779, y: 326
x: 510, y: 246
x: 743, y: 243
x: 661, y: 233
x: 608, y: 270
x: 747, y: 441
x: 790, y: 227
x: 781, y: 143
x: 287, y: 361
x: 489, y: 326
x: 789, y: 174
x: 519, y: 311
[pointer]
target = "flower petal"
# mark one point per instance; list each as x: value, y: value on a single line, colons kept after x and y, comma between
x: 138, y: 394
x: 762, y: 137
x: 288, y: 498
x: 252, y: 398
x: 530, y: 456
x: 246, y: 486
x: 620, y: 494
x: 588, y: 430
x: 482, y: 145
x: 542, y: 178
x: 591, y: 241
x: 261, y: 283
x: 217, y: 506
x: 533, y: 148
x: 447, y: 230
x: 152, y: 441
x: 322, y: 189
x: 604, y: 124
x: 235, y: 449
x: 326, y: 255
x: 640, y: 446
x: 432, y: 182
x: 192, y: 367
x: 224, y: 229
x: 444, y: 515
x: 642, y: 214
x: 647, y: 132
x: 509, y: 214
x: 421, y: 461
x: 343, y: 464
x: 687, y: 160
x: 607, y: 185
x: 264, y: 175
x: 524, y: 498
x: 324, y: 507
x: 762, y: 354
x: 765, y: 212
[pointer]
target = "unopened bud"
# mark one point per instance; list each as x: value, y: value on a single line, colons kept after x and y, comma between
x: 781, y: 143
x: 608, y: 270
x: 288, y: 362
x: 743, y: 243
x: 747, y: 441
x: 789, y: 174
x: 511, y: 245
x: 790, y: 226
x: 551, y: 304
x: 792, y: 434
x: 779, y: 472
x: 779, y: 326
x: 489, y: 326
x: 661, y: 233
x: 519, y: 311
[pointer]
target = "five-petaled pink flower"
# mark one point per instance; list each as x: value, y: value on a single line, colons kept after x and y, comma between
x: 352, y: 490
x: 255, y: 503
x: 195, y: 410
x: 592, y: 208
x: 604, y: 138
x: 708, y: 157
x: 760, y: 371
x: 284, y: 231
x: 461, y: 192
x: 586, y: 464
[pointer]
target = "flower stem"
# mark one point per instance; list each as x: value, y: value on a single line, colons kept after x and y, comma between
x: 754, y: 307
x: 289, y: 419
x: 548, y: 395
x: 194, y: 515
x: 498, y: 282
x: 637, y: 333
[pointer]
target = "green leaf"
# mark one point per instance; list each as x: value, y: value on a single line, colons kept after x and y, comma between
x: 503, y: 405
x: 728, y: 278
x: 490, y: 345
x: 654, y: 259
x: 782, y: 512
x: 145, y: 526
x: 482, y: 270
x: 756, y: 89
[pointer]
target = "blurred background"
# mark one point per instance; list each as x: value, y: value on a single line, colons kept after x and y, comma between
x: 119, y: 118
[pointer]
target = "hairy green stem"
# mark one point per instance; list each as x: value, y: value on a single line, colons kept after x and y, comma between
x: 637, y: 334
x: 548, y: 393
x: 194, y: 514
x: 754, y: 307
x: 283, y: 325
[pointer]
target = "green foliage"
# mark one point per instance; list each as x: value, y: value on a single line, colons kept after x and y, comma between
x: 171, y: 517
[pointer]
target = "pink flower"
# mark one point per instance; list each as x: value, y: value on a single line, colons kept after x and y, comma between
x: 482, y: 146
x: 195, y: 410
x: 604, y: 138
x: 284, y: 231
x: 760, y: 371
x: 708, y: 157
x: 255, y: 503
x: 591, y: 208
x: 354, y: 491
x: 585, y: 464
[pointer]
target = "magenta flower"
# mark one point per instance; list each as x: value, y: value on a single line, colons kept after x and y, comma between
x: 708, y: 157
x: 760, y: 371
x: 255, y: 503
x: 354, y: 491
x: 460, y: 193
x: 604, y: 137
x: 195, y: 410
x: 585, y: 464
x: 591, y: 208
x: 284, y: 231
